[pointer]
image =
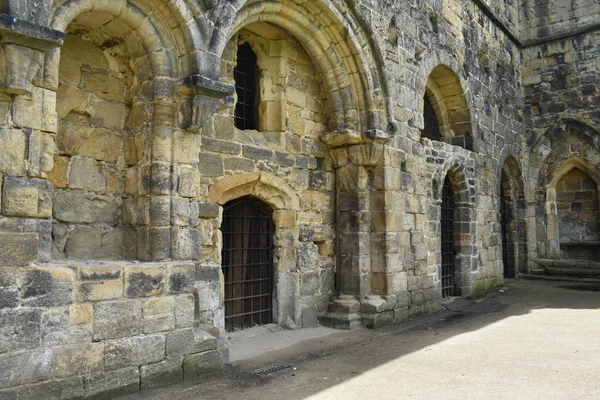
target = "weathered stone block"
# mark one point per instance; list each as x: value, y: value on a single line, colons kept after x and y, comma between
x: 20, y: 329
x: 77, y: 359
x: 184, y: 311
x: 12, y: 148
x: 180, y: 278
x: 210, y: 164
x: 59, y: 389
x: 164, y: 373
x: 199, y: 365
x: 144, y: 281
x: 112, y: 383
x: 78, y: 207
x: 47, y: 287
x: 27, y: 198
x: 18, y: 249
x: 188, y: 341
x: 81, y: 314
x: 58, y: 174
x: 133, y: 351
x: 159, y: 323
x: 24, y: 367
x: 100, y: 290
x: 109, y: 115
x: 87, y: 174
x: 117, y: 318
x: 185, y: 243
x: 82, y: 140
x: 9, y: 298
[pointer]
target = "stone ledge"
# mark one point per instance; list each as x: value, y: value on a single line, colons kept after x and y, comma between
x: 23, y: 33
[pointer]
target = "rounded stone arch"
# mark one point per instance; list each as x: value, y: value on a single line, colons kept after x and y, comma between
x: 456, y: 172
x: 564, y: 125
x: 274, y: 191
x: 358, y: 98
x: 445, y: 85
x: 465, y: 221
x: 284, y: 203
x: 123, y: 18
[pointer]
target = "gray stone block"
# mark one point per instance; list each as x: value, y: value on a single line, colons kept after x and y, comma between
x: 58, y: 389
x: 164, y: 373
x: 47, y: 287
x: 18, y: 249
x: 180, y: 278
x: 77, y: 359
x: 24, y: 367
x: 79, y: 207
x: 203, y: 364
x: 112, y: 383
x: 20, y: 329
x: 188, y: 341
x: 135, y: 351
x: 9, y: 298
x: 116, y: 319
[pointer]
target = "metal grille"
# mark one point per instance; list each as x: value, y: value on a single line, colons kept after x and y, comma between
x: 246, y: 83
x: 432, y: 127
x: 447, y: 223
x: 247, y: 264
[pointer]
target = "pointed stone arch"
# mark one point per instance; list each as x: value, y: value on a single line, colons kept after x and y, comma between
x: 564, y: 126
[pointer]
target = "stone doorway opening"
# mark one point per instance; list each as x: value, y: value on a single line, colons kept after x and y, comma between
x: 247, y: 264
x: 448, y: 248
x: 506, y: 226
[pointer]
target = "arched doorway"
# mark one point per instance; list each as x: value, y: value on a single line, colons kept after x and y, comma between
x: 506, y: 219
x: 247, y: 263
x: 447, y: 231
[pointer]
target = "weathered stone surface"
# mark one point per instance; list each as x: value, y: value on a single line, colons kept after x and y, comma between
x: 59, y: 389
x: 202, y: 364
x: 117, y: 318
x: 112, y: 383
x: 12, y: 146
x: 19, y: 368
x: 18, y: 249
x: 188, y: 341
x: 180, y: 278
x: 164, y: 373
x: 133, y: 351
x: 78, y: 207
x: 78, y: 359
x: 87, y: 174
x: 27, y: 198
x: 20, y: 329
x: 47, y: 287
x: 100, y: 290
x: 144, y: 281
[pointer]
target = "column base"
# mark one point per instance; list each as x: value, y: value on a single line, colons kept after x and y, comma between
x: 342, y: 313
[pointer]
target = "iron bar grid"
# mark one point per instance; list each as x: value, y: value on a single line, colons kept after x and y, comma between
x: 432, y: 126
x: 247, y: 264
x: 447, y: 222
x: 245, y: 76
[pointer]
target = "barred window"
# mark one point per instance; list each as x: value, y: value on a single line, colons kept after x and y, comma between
x: 246, y: 85
x: 432, y: 127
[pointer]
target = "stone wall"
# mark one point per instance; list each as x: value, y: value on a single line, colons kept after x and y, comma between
x: 119, y: 152
x: 95, y: 330
x: 540, y: 19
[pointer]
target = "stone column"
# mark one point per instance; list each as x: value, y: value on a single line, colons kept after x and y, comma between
x: 552, y: 234
x: 353, y: 155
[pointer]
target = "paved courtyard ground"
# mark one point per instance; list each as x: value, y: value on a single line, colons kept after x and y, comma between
x: 529, y: 340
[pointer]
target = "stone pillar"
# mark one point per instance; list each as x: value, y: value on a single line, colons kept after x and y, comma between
x: 353, y: 155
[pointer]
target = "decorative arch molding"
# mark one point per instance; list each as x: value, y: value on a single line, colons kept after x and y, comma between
x: 465, y: 221
x: 464, y: 190
x: 357, y: 94
x: 274, y: 191
x: 584, y: 129
x: 147, y: 27
x: 551, y: 211
x: 443, y: 70
x: 508, y: 157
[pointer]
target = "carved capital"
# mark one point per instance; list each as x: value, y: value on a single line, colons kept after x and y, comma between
x: 22, y: 45
x: 349, y: 138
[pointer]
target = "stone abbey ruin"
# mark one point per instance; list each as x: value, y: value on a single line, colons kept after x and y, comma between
x: 172, y: 170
